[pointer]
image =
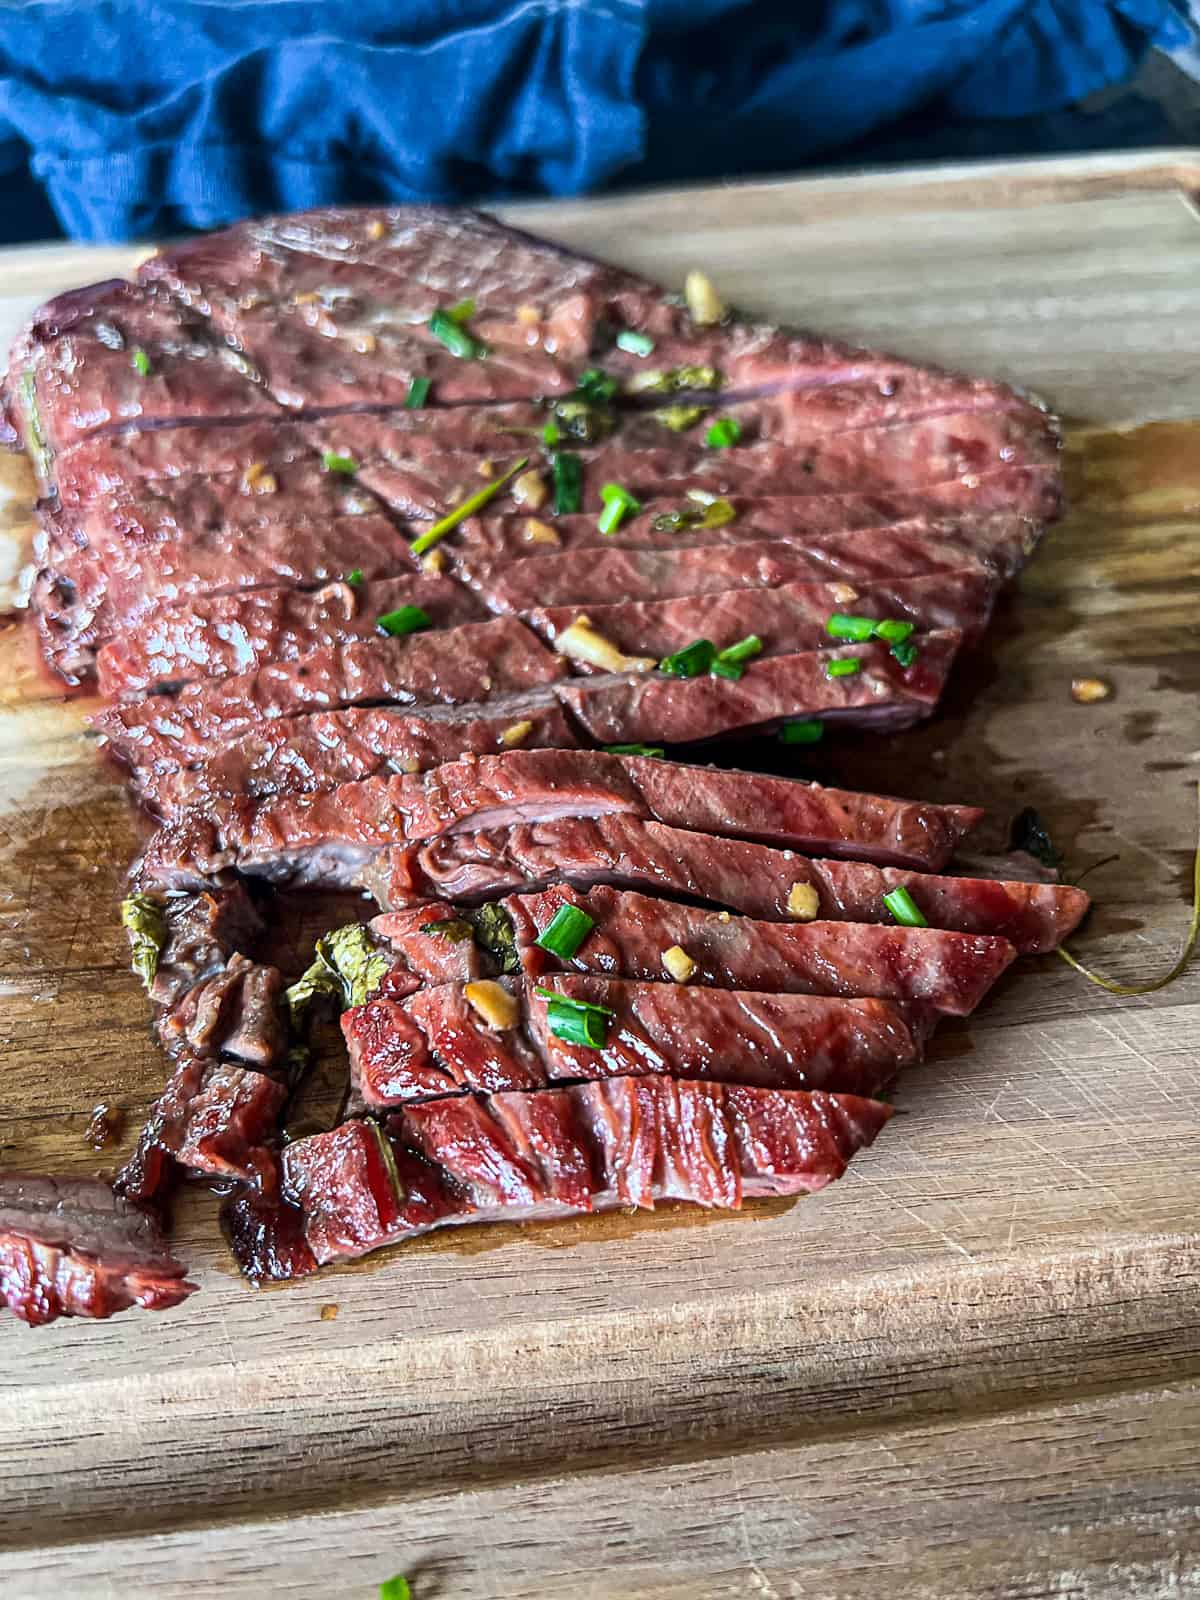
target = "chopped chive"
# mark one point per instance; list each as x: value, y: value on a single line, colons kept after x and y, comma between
x: 905, y: 653
x: 841, y: 626
x: 332, y: 462
x: 418, y: 393
x: 140, y: 362
x: 568, y: 483
x: 636, y: 750
x: 894, y: 631
x: 444, y: 326
x: 396, y: 1588
x: 904, y: 908
x: 724, y: 432
x: 451, y: 520
x: 810, y: 730
x: 618, y: 504
x: 751, y: 645
x: 843, y: 667
x: 637, y: 344
x: 551, y: 434
x: 462, y: 312
x: 405, y: 619
x: 690, y: 662
x: 354, y: 577
x: 727, y: 669
x: 565, y: 932
x: 575, y: 1021
x: 596, y: 387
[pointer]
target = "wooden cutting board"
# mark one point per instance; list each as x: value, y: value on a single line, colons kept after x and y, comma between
x: 967, y: 1370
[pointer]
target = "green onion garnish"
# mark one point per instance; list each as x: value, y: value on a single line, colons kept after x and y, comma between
x: 462, y: 312
x: 444, y: 325
x: 715, y: 514
x: 396, y: 1588
x: 551, y: 434
x: 636, y: 750
x: 730, y: 662
x: 575, y: 1021
x: 637, y: 344
x: 905, y: 653
x: 691, y: 661
x: 596, y: 386
x: 405, y: 619
x: 418, y: 393
x: 568, y: 483
x: 140, y: 362
x: 843, y: 667
x: 679, y: 418
x: 451, y: 520
x: 565, y: 932
x: 841, y: 626
x: 808, y: 731
x: 354, y: 577
x: 894, y: 631
x: 618, y: 504
x: 724, y: 432
x: 332, y: 462
x: 904, y: 908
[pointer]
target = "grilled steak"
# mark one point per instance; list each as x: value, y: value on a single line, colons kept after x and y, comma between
x: 632, y: 853
x: 525, y: 1157
x: 948, y: 972
x: 325, y: 837
x: 70, y: 1248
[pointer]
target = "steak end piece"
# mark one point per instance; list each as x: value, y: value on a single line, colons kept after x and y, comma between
x: 69, y: 1247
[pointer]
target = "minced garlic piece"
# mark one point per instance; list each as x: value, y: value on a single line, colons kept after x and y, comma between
x: 435, y: 561
x: 843, y: 593
x: 486, y: 468
x: 410, y: 764
x: 678, y: 963
x: 528, y: 316
x: 365, y: 343
x: 257, y: 480
x: 530, y: 490
x: 539, y: 532
x: 703, y: 301
x: 494, y: 1004
x: 582, y: 642
x: 375, y: 229
x: 515, y: 735
x: 803, y: 902
x: 1088, y: 690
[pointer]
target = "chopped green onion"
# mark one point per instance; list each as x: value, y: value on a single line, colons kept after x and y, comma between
x: 396, y: 1588
x: 354, y: 577
x: 679, y: 418
x: 444, y: 325
x: 565, y: 932
x: 751, y: 645
x: 714, y: 514
x: 809, y: 731
x: 568, y: 483
x: 618, y: 504
x: 894, y: 631
x: 145, y: 921
x: 453, y: 929
x: 636, y: 750
x: 724, y: 432
x: 418, y: 393
x: 575, y: 1021
x: 451, y: 520
x: 636, y: 344
x: 596, y: 386
x: 332, y: 462
x: 904, y: 908
x: 691, y: 661
x: 905, y: 653
x: 140, y: 362
x: 405, y: 619
x: 551, y: 434
x: 843, y: 667
x: 841, y: 626
x: 462, y: 312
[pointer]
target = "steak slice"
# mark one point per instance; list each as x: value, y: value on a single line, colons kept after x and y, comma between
x: 948, y: 972
x: 525, y: 1157
x: 630, y: 852
x: 328, y: 837
x: 221, y: 635
x: 791, y: 618
x: 70, y: 1248
x: 438, y: 1042
x: 296, y: 755
x: 452, y: 666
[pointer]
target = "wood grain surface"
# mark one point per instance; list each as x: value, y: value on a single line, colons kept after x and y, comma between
x: 970, y: 1369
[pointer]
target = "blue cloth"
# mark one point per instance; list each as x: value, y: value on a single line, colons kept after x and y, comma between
x: 150, y: 116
